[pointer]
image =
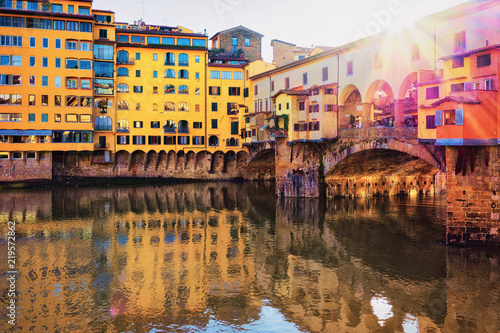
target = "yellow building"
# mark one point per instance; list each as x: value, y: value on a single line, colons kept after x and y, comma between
x: 46, y: 77
x: 160, y: 83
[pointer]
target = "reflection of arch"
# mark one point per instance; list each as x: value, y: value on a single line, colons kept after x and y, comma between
x: 380, y: 94
x: 408, y: 83
x: 346, y: 92
x: 213, y: 141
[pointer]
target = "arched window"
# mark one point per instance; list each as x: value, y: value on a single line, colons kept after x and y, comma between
x: 169, y: 126
x: 183, y: 106
x: 122, y: 126
x: 169, y: 89
x: 169, y: 106
x: 122, y: 57
x: 183, y: 89
x: 183, y: 74
x: 170, y: 59
x: 122, y: 71
x: 122, y: 88
x: 169, y: 74
x: 183, y: 126
x: 103, y: 123
x: 213, y: 141
x: 183, y: 59
x: 232, y: 142
x: 122, y: 105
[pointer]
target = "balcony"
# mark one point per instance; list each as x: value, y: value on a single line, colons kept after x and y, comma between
x: 129, y: 61
x: 280, y: 132
x: 101, y: 145
x: 184, y: 130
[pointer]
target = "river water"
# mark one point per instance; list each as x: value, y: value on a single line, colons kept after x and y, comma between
x: 223, y: 257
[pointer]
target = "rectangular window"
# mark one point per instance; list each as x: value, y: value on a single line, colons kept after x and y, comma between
x: 138, y: 73
x: 72, y: 83
x: 45, y: 43
x: 31, y: 117
x: 247, y: 42
x: 483, y: 60
x: 137, y: 124
x: 234, y: 91
x: 287, y: 83
x: 71, y: 64
x: 214, y: 91
x: 71, y: 45
x: 32, y: 61
x: 153, y: 40
x: 59, y: 25
x: 214, y: 123
x: 432, y: 93
x: 58, y: 63
x: 234, y: 128
x: 70, y: 25
x: 103, y: 33
x: 155, y: 124
x: 237, y: 76
x: 226, y: 75
x: 214, y: 107
x: 45, y: 100
x: 138, y: 89
x: 460, y: 42
x: 57, y: 81
x: 57, y: 118
x: 167, y: 41
x: 45, y: 117
x: 324, y: 73
x: 57, y: 100
x: 45, y: 81
x: 138, y: 139
x: 31, y: 100
x: 137, y: 56
x: 183, y: 41
x: 32, y: 41
x: 45, y: 62
x: 197, y: 124
x: 58, y: 43
x: 198, y: 140
x: 350, y: 68
x: 215, y: 74
x: 83, y: 11
x: 304, y: 79
x: 449, y: 117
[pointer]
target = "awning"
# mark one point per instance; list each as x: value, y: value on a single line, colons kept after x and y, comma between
x: 264, y: 127
x: 28, y: 132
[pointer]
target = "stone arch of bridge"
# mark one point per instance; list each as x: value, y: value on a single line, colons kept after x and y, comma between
x: 347, y: 92
x: 350, y: 101
x: 347, y: 149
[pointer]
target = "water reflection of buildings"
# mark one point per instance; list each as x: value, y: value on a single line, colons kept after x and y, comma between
x: 130, y: 258
x: 114, y: 258
x: 331, y: 273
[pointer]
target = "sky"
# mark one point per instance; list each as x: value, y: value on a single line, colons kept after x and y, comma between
x: 301, y: 22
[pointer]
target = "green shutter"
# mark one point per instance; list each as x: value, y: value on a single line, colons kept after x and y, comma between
x: 245, y: 92
x: 228, y: 108
x: 234, y: 128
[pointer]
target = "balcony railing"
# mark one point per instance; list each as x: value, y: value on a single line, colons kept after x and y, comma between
x: 101, y: 146
x: 278, y: 132
x: 129, y: 61
x: 122, y: 130
x: 183, y: 130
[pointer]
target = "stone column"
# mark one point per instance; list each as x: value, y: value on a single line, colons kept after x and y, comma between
x: 398, y: 113
x: 367, y: 114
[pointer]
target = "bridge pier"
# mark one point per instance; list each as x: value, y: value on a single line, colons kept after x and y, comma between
x: 297, y: 169
x: 473, y: 180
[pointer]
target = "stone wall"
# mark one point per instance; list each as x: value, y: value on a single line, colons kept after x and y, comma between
x: 24, y: 169
x: 282, y: 53
x: 252, y: 52
x: 473, y: 195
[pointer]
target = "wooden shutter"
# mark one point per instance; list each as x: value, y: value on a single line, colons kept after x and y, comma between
x: 439, y: 118
x: 459, y: 116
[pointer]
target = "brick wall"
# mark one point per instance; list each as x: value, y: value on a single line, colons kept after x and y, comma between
x: 23, y: 169
x: 473, y: 198
x: 252, y: 52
